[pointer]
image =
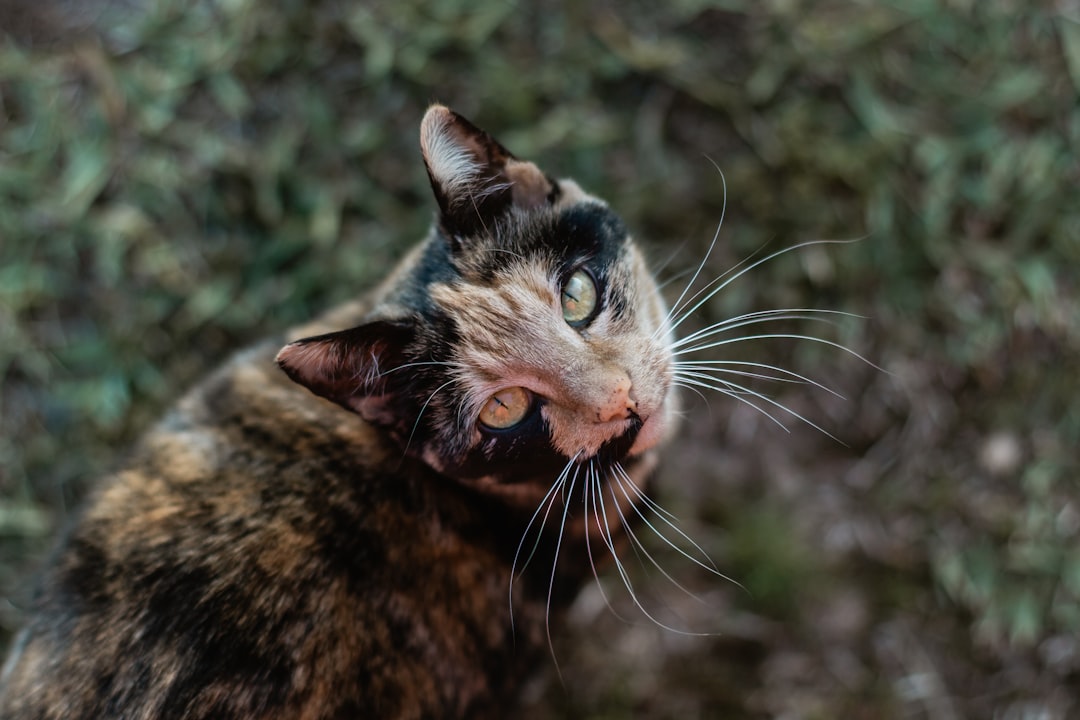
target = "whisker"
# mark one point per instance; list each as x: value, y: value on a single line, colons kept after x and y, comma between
x: 610, y: 543
x: 420, y: 414
x: 675, y: 381
x: 736, y: 396
x: 669, y: 520
x: 714, y: 366
x: 644, y: 497
x: 419, y: 364
x: 706, y: 371
x: 621, y: 568
x: 554, y: 565
x: 728, y: 385
x: 762, y: 316
x: 675, y: 307
x: 625, y: 575
x: 705, y: 288
x: 547, y: 501
x: 593, y: 484
x: 660, y: 267
x: 712, y: 293
x: 778, y: 336
x: 711, y: 381
x: 643, y: 551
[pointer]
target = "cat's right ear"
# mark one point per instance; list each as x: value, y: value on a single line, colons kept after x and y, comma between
x: 354, y: 368
x: 474, y: 178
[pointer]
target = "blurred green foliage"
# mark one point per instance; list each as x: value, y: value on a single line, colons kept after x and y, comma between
x: 188, y: 175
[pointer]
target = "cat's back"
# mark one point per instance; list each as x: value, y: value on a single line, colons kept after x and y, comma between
x: 264, y: 555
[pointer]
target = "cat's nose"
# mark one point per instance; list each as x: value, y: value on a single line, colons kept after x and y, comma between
x: 619, y: 404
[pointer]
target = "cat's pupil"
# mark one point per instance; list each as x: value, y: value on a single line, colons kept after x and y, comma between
x: 506, y: 408
x: 578, y: 298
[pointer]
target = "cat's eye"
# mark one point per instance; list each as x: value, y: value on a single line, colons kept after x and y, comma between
x: 506, y: 408
x: 578, y: 298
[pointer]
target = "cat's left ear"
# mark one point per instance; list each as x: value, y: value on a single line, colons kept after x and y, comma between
x: 475, y: 179
x: 354, y: 368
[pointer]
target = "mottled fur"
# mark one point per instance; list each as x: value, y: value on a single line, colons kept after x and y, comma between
x: 338, y: 540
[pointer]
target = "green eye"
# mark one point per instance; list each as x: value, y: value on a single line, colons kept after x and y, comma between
x: 506, y: 408
x: 578, y: 298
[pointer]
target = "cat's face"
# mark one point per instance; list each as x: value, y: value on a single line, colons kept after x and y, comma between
x: 525, y: 335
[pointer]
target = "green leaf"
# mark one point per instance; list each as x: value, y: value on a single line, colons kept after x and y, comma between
x: 88, y: 169
x: 1069, y: 32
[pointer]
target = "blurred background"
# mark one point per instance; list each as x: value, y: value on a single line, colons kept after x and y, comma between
x: 179, y: 178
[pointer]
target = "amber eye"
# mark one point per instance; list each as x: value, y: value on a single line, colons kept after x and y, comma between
x: 578, y: 298
x: 506, y: 408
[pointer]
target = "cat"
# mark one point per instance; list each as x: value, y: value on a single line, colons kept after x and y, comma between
x: 382, y: 513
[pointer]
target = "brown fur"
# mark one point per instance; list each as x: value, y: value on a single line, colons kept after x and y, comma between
x: 338, y: 540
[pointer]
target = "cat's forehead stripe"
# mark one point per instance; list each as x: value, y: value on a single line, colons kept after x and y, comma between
x: 563, y: 236
x: 513, y: 307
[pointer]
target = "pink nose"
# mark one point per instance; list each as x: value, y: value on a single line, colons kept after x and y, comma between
x: 619, y: 404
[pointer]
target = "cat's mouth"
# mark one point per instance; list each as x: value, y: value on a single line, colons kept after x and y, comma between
x: 621, y: 444
x: 640, y: 435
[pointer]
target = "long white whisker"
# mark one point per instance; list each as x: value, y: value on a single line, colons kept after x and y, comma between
x: 761, y: 316
x: 668, y: 519
x: 653, y: 505
x: 419, y: 364
x: 705, y: 288
x: 610, y: 542
x: 554, y: 565
x: 592, y: 485
x: 708, y: 372
x: 622, y: 479
x: 777, y: 336
x: 734, y: 395
x: 704, y: 379
x: 712, y: 293
x: 641, y: 550
x: 621, y: 569
x: 626, y: 577
x: 547, y: 502
x: 674, y: 381
x: 728, y: 384
x: 675, y: 307
x: 716, y: 366
x: 420, y: 414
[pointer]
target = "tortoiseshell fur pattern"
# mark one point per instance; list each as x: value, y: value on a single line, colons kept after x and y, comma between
x: 338, y: 540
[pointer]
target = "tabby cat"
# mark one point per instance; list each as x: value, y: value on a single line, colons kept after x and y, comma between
x: 381, y: 518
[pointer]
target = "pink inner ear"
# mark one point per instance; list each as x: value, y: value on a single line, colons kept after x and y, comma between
x: 315, y: 364
x: 530, y: 187
x: 334, y: 367
x: 348, y: 365
x: 310, y: 364
x: 465, y: 164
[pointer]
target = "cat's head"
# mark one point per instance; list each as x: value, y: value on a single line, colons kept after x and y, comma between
x: 525, y: 334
